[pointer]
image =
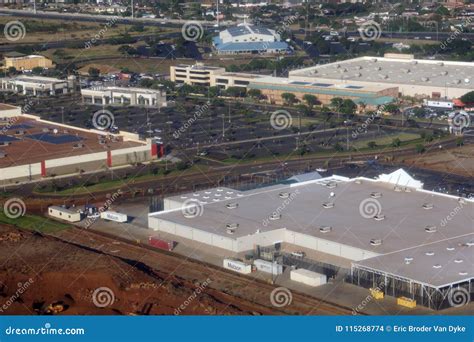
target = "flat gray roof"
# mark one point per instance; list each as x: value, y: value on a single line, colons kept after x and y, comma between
x: 440, y: 263
x: 404, y: 227
x: 395, y: 71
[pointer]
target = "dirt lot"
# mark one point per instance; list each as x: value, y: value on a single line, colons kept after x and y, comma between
x: 458, y: 161
x: 38, y: 271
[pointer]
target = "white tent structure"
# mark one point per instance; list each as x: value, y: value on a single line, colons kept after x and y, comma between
x: 400, y: 178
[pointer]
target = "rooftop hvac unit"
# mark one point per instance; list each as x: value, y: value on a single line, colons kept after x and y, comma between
x: 428, y: 206
x: 220, y: 190
x: 359, y: 67
x: 232, y: 205
x: 440, y: 63
x: 331, y: 185
x: 374, y: 60
x: 207, y: 192
x: 379, y: 217
x: 450, y: 249
x: 408, y: 260
x: 325, y: 229
x: 437, y: 266
x: 425, y: 79
x: 229, y: 192
x: 284, y: 194
x: 196, y: 195
x: 431, y: 229
x: 376, y: 242
x: 338, y: 66
x: 378, y: 68
x: 469, y: 244
x: 217, y: 195
x: 344, y: 70
x: 457, y: 81
x: 328, y: 205
x: 407, y: 190
x: 414, y: 62
x: 358, y: 74
x: 358, y: 181
x: 458, y: 261
x: 462, y: 273
x: 275, y: 216
x: 444, y: 73
x: 467, y: 80
x: 429, y: 253
x: 231, y: 227
x: 205, y: 197
x: 376, y: 194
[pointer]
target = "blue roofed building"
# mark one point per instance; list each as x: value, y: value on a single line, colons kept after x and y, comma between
x: 249, y: 39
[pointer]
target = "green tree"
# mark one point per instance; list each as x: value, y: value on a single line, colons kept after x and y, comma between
x: 37, y: 70
x: 419, y: 148
x: 310, y: 100
x: 468, y: 97
x: 94, y: 72
x: 396, y: 142
x: 255, y: 93
x: 288, y: 98
x: 372, y: 144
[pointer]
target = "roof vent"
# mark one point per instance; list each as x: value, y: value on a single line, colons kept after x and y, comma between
x: 207, y: 192
x: 220, y: 190
x: 376, y: 242
x: 398, y: 189
x: 328, y: 205
x: 338, y: 66
x: 379, y: 217
x: 183, y: 197
x: 378, y: 68
x: 240, y: 195
x: 408, y: 260
x: 437, y: 266
x: 217, y: 195
x: 374, y: 60
x: 458, y: 261
x: 450, y: 248
x: 216, y: 199
x: 444, y: 73
x: 429, y: 253
x: 358, y: 67
x: 469, y: 244
x: 331, y: 185
x: 376, y: 194
x: 428, y: 206
x: 407, y: 190
x: 463, y: 273
x: 275, y: 216
x: 457, y: 81
x: 231, y: 227
x: 284, y: 194
x: 325, y: 229
x: 414, y: 62
x: 205, y: 197
x: 431, y: 229
x: 196, y: 194
x: 425, y: 79
x: 358, y: 181
x: 229, y: 192
x: 232, y: 205
x: 358, y: 74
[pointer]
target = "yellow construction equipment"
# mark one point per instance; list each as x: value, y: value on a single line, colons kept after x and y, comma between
x: 406, y: 302
x: 376, y: 293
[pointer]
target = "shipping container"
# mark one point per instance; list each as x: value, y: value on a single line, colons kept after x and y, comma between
x: 113, y: 216
x: 237, y: 266
x: 268, y: 266
x: 308, y: 277
x: 161, y: 244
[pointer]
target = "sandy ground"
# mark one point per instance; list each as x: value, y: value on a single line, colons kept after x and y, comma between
x: 458, y: 161
x: 37, y: 271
